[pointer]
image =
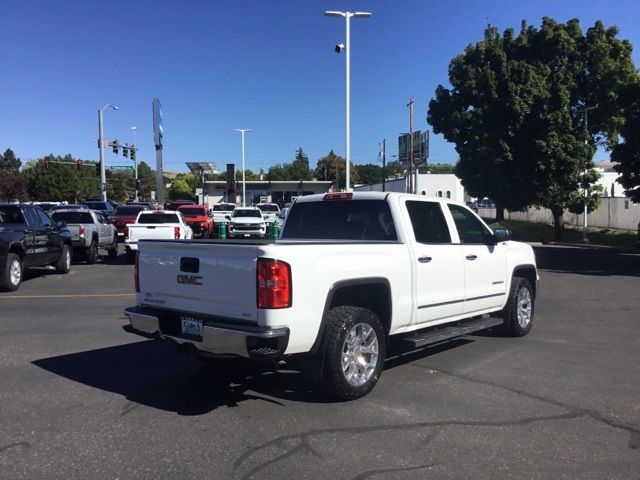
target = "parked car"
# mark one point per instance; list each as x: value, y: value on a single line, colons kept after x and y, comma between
x: 89, y: 231
x: 247, y: 222
x: 175, y: 204
x: 350, y: 271
x: 198, y: 218
x: 71, y: 206
x: 155, y: 225
x: 221, y: 212
x: 124, y: 215
x: 30, y: 238
x: 269, y: 211
x: 149, y: 205
x: 105, y: 208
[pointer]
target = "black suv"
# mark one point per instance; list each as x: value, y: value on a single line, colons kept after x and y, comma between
x: 29, y: 238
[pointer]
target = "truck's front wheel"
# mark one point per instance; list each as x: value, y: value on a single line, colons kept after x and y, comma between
x: 518, y: 312
x: 354, y: 352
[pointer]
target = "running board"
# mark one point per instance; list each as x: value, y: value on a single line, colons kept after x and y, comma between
x: 446, y: 332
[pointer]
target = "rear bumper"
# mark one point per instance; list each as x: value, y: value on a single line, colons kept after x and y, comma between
x: 218, y: 336
x: 133, y: 246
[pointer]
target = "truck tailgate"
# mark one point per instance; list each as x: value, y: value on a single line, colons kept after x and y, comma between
x: 159, y: 231
x: 212, y: 279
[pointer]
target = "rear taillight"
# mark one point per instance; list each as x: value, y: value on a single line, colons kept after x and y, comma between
x: 274, y: 283
x: 338, y: 196
x: 81, y: 230
x: 176, y: 232
x: 136, y: 275
x: 126, y: 232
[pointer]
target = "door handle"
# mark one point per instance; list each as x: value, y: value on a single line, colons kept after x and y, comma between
x: 471, y: 257
x: 424, y: 259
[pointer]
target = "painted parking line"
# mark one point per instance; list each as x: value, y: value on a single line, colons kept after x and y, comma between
x: 72, y: 296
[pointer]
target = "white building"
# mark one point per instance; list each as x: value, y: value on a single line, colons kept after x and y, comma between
x: 444, y: 185
x: 609, y: 179
x: 276, y: 191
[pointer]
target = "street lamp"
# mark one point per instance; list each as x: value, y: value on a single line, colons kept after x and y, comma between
x: 244, y: 188
x: 135, y: 160
x: 585, y: 110
x: 103, y: 179
x: 347, y: 46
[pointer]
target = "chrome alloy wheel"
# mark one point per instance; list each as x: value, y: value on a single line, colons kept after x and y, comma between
x: 523, y: 302
x: 15, y: 272
x: 67, y: 260
x: 359, y: 354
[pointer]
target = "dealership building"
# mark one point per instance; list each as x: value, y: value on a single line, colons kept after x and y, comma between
x: 257, y: 191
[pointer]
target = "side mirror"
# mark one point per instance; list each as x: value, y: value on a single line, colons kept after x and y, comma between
x: 227, y: 217
x: 501, y: 234
x: 61, y: 224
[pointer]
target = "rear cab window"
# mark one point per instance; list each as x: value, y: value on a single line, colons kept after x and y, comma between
x: 72, y: 217
x: 352, y: 219
x: 158, y: 218
x: 428, y: 222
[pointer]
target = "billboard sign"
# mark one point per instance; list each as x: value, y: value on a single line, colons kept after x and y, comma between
x: 420, y: 147
x: 158, y: 131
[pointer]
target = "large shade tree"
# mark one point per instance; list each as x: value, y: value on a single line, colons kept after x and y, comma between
x: 627, y: 153
x: 516, y: 111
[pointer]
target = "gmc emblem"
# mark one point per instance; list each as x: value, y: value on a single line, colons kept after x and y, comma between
x: 189, y: 279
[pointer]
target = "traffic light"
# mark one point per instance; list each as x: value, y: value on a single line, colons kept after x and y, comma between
x: 98, y: 169
x: 79, y: 164
x: 138, y: 183
x: 115, y: 146
x: 133, y: 152
x: 125, y: 150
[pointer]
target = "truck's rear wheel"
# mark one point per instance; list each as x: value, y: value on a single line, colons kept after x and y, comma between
x: 12, y: 276
x: 354, y: 352
x: 519, y: 310
x: 92, y: 253
x: 113, y: 249
x: 63, y: 265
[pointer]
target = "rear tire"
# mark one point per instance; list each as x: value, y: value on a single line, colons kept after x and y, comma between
x: 92, y: 253
x: 63, y: 265
x: 354, y: 351
x: 11, y: 278
x: 519, y: 310
x: 113, y: 251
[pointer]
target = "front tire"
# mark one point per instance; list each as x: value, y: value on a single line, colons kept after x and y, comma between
x: 11, y: 278
x: 63, y: 265
x: 354, y: 351
x: 519, y: 310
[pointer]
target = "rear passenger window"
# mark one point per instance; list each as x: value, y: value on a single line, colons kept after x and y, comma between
x: 470, y: 229
x: 427, y: 220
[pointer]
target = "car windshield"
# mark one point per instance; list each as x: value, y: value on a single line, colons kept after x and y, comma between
x: 11, y: 215
x: 97, y: 205
x: 244, y: 212
x: 224, y: 207
x: 159, y: 218
x: 269, y: 208
x: 129, y: 211
x: 192, y: 212
x: 341, y: 220
x: 72, y: 217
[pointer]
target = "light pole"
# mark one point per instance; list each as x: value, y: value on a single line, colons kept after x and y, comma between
x: 135, y: 160
x: 347, y: 46
x: 585, y: 237
x: 244, y: 187
x: 103, y: 176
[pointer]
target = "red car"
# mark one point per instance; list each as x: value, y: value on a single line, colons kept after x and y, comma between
x: 198, y: 218
x: 125, y: 214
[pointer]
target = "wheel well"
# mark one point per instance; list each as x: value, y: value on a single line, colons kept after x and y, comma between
x: 18, y: 250
x: 375, y: 296
x: 528, y: 272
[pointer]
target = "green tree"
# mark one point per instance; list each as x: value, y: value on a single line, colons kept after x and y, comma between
x: 147, y: 178
x: 627, y: 153
x: 301, y: 157
x: 60, y: 179
x: 180, y: 189
x: 577, y: 199
x: 333, y: 166
x: 438, y: 168
x: 9, y: 163
x: 13, y: 186
x: 369, y: 173
x: 515, y: 111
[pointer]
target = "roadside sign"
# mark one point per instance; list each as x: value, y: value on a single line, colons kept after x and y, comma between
x: 121, y: 167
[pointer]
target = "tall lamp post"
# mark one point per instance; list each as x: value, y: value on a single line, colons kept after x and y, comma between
x: 135, y: 160
x: 585, y: 237
x: 347, y: 46
x: 244, y: 188
x: 103, y: 176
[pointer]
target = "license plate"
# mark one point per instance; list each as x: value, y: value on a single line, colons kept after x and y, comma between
x: 191, y: 328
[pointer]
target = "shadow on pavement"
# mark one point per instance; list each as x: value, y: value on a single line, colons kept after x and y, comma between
x: 588, y: 261
x: 152, y: 373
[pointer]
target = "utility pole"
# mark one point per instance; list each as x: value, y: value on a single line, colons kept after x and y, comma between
x: 384, y: 164
x: 135, y: 160
x: 410, y: 152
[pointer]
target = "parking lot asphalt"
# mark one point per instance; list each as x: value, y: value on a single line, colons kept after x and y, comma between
x: 81, y: 398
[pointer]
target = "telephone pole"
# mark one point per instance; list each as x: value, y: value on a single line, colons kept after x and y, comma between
x: 410, y: 152
x: 384, y: 164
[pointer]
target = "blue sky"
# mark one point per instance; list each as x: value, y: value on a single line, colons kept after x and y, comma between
x: 220, y: 65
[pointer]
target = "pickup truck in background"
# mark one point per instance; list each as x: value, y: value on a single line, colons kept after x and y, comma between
x: 247, y: 222
x: 269, y: 211
x: 220, y: 212
x: 89, y: 231
x: 198, y: 218
x: 350, y: 271
x: 105, y: 208
x: 124, y: 215
x: 155, y: 225
x: 29, y: 238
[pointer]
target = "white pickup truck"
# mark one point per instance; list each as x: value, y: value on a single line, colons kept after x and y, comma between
x: 155, y: 225
x: 349, y: 271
